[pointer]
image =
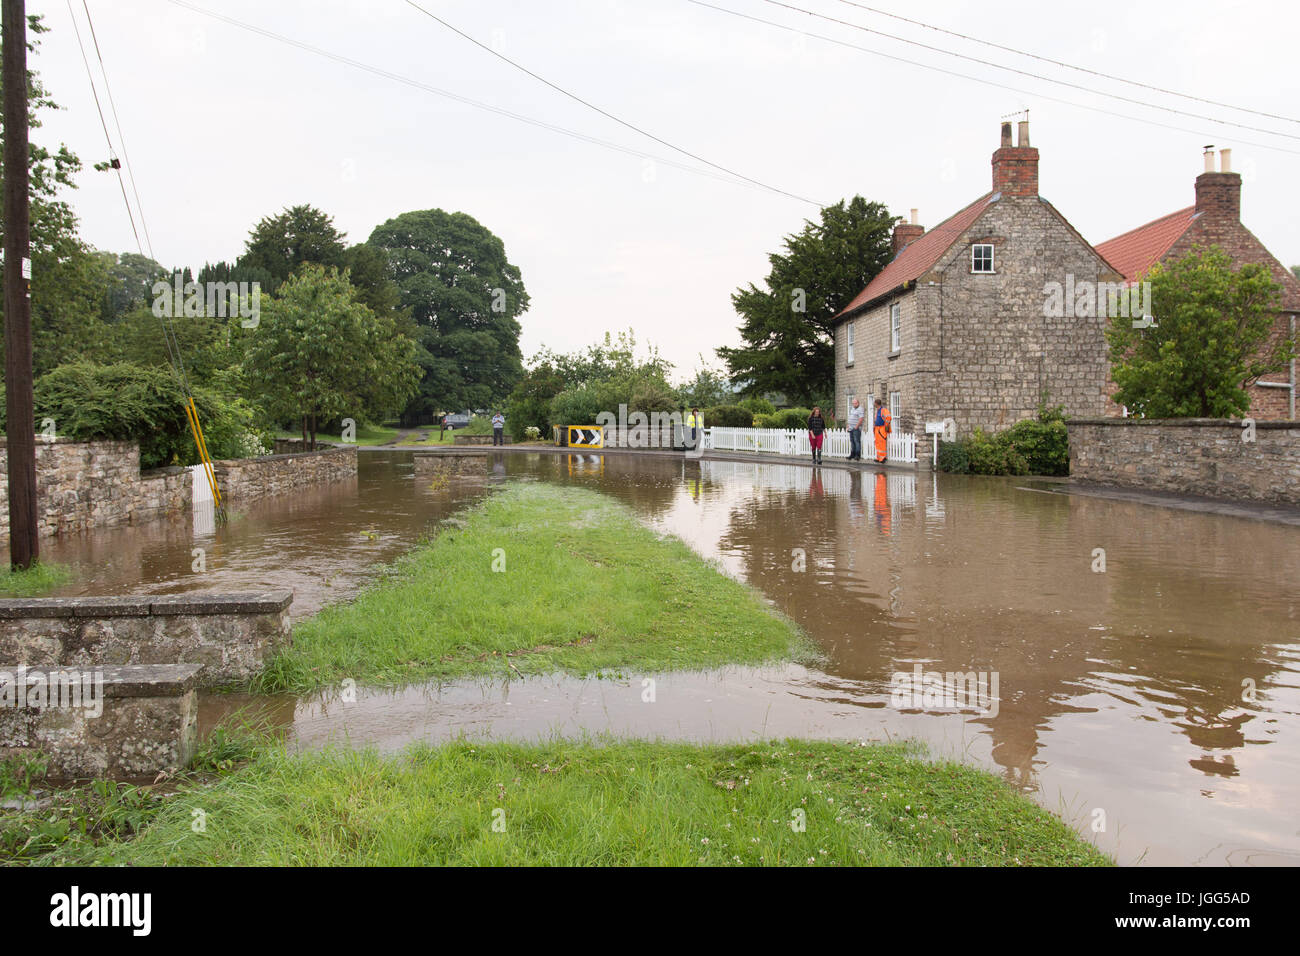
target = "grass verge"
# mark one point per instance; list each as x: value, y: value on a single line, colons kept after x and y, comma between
x: 565, y: 803
x: 37, y: 580
x: 582, y: 587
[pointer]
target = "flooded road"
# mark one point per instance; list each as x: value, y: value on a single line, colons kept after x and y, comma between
x: 322, y: 543
x: 1147, y: 659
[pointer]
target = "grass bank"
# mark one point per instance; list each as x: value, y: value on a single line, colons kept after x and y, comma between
x: 366, y: 434
x: 37, y: 580
x: 539, y: 578
x: 788, y: 803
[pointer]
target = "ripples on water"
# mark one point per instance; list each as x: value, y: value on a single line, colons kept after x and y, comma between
x: 1126, y: 691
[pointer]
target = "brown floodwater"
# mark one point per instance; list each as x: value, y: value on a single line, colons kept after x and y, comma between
x: 1154, y: 704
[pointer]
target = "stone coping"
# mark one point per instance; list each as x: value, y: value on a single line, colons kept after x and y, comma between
x: 1183, y: 422
x: 251, y: 602
x: 127, y: 680
x: 285, y: 456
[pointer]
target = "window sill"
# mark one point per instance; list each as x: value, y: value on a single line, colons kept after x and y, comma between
x: 894, y: 354
x: 991, y: 272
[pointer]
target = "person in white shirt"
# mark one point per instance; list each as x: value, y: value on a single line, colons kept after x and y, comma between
x: 498, y: 429
x: 857, y: 415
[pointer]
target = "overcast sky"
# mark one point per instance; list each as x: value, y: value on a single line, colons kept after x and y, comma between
x: 224, y: 126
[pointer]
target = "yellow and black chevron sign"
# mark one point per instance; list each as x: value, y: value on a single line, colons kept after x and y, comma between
x: 584, y: 436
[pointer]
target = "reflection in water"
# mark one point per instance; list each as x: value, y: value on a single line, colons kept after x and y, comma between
x: 1164, y: 691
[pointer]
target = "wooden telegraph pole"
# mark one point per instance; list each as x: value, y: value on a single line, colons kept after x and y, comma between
x: 23, y: 546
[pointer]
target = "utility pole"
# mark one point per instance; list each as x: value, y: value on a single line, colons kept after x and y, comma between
x: 24, y: 548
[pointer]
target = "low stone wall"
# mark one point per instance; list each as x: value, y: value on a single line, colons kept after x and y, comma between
x: 82, y: 485
x: 1199, y: 456
x: 478, y: 439
x: 231, y: 635
x: 114, y: 722
x: 446, y: 462
x: 250, y: 478
x: 296, y: 446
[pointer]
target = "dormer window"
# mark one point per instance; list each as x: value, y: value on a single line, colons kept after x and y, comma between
x: 981, y: 257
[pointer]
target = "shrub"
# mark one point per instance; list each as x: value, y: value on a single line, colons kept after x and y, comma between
x: 1044, y: 445
x: 791, y: 418
x: 759, y: 406
x: 990, y: 455
x: 532, y: 433
x: 763, y: 421
x: 953, y: 458
x: 728, y: 416
x: 125, y: 402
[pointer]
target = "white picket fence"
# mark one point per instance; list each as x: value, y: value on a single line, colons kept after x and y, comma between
x: 794, y: 442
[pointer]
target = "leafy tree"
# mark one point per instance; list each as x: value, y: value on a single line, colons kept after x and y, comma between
x: 709, y: 387
x: 1214, y: 336
x: 131, y: 279
x: 68, y: 280
x: 318, y: 354
x: 126, y: 402
x: 279, y: 244
x: 530, y: 401
x: 786, y: 327
x: 465, y: 298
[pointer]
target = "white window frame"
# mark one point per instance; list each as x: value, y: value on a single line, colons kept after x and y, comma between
x: 992, y: 260
x: 895, y: 406
x: 848, y: 344
x: 895, y: 327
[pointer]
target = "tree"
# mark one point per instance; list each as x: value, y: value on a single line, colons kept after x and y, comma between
x: 708, y: 388
x: 1214, y: 336
x: 131, y: 278
x: 465, y: 298
x: 786, y: 327
x: 279, y: 244
x: 318, y: 354
x: 68, y: 280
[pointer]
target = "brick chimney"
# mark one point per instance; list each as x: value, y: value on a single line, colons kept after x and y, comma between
x: 905, y: 232
x: 1015, y: 168
x: 1218, y: 194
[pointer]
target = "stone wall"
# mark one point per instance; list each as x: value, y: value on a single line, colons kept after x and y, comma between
x: 81, y: 485
x: 429, y: 464
x: 231, y: 635
x: 124, y: 722
x: 250, y: 478
x: 1200, y: 456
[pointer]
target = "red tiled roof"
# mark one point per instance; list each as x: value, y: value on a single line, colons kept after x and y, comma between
x: 919, y: 255
x: 1136, y: 251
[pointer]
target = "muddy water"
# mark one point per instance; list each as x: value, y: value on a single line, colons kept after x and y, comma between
x: 1155, y: 704
x: 323, y: 543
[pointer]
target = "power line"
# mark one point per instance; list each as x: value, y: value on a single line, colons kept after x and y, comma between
x: 1036, y: 76
x: 121, y: 138
x: 592, y: 106
x: 1068, y: 66
x: 477, y: 104
x: 169, y: 332
x: 975, y: 79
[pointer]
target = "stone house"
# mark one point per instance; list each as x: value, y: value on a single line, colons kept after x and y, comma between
x: 956, y: 325
x: 1215, y: 219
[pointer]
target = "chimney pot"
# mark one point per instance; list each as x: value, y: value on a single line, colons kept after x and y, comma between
x: 1022, y: 133
x: 915, y: 220
x: 1209, y: 159
x: 1225, y: 160
x: 1015, y: 168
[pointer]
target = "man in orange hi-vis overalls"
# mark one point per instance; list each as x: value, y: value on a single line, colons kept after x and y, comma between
x: 882, y: 429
